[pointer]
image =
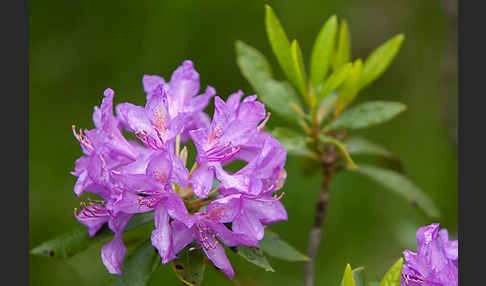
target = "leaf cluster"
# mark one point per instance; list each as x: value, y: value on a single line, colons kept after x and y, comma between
x: 319, y: 101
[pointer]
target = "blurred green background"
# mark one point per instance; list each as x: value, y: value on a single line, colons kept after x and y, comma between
x: 79, y: 48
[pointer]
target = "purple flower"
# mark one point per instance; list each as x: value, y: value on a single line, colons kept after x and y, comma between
x: 152, y: 191
x: 104, y: 148
x: 234, y: 124
x: 181, y: 96
x: 135, y: 178
x: 261, y: 208
x: 206, y: 226
x: 435, y: 263
x: 152, y: 124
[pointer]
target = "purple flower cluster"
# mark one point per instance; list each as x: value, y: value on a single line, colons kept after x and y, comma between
x: 435, y: 263
x: 208, y: 204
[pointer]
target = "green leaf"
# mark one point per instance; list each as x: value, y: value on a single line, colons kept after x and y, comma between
x: 292, y: 141
x: 402, y: 186
x: 366, y: 115
x: 322, y: 51
x: 348, y: 279
x: 299, y: 69
x: 374, y: 283
x: 379, y: 60
x: 279, y: 42
x: 361, y: 146
x: 342, y: 149
x: 254, y: 255
x: 393, y: 276
x: 253, y: 64
x: 343, y: 51
x: 276, y: 247
x: 278, y: 96
x: 78, y: 240
x: 139, y: 266
x: 189, y: 266
x: 334, y: 81
x: 350, y: 87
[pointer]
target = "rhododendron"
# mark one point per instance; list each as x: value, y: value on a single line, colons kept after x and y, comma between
x: 435, y: 262
x: 151, y: 175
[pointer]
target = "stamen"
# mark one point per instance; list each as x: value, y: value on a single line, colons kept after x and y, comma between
x: 149, y: 201
x: 273, y: 199
x: 203, y: 232
x: 149, y: 141
x: 82, y: 138
x: 93, y: 210
x: 222, y: 153
x: 262, y: 125
x: 414, y: 277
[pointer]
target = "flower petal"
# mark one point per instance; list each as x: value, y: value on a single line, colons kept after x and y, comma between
x: 136, y: 182
x: 240, y: 182
x: 200, y: 102
x: 248, y: 224
x: 161, y: 235
x: 134, y: 118
x: 215, y: 252
x: 93, y: 223
x: 268, y: 211
x: 176, y: 208
x: 202, y: 181
x: 231, y: 238
x: 182, y: 236
x: 450, y: 247
x: 113, y: 253
x: 160, y: 167
x: 183, y: 85
x: 225, y: 209
x: 180, y: 173
x: 150, y: 82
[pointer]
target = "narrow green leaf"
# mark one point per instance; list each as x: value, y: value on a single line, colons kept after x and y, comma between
x: 393, y: 276
x: 71, y: 243
x: 342, y: 149
x: 334, y: 81
x: 292, y: 141
x: 348, y: 279
x: 374, y: 283
x: 379, y: 60
x: 138, y: 267
x: 276, y: 247
x: 254, y: 255
x: 299, y: 69
x: 278, y: 96
x: 361, y: 146
x: 402, y: 186
x: 322, y: 51
x: 279, y: 42
x: 350, y: 87
x: 189, y: 266
x: 253, y: 64
x: 366, y: 115
x: 78, y: 240
x: 343, y: 50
